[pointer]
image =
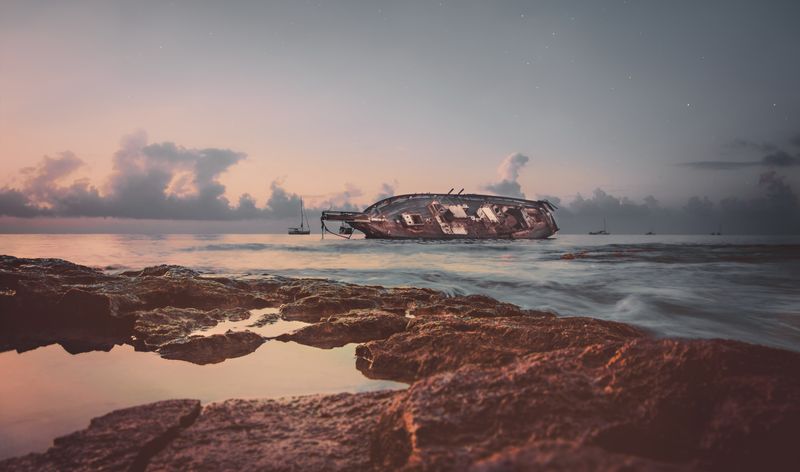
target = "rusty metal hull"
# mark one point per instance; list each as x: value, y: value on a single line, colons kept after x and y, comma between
x: 444, y: 216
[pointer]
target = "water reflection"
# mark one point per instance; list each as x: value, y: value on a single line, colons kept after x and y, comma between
x: 47, y: 392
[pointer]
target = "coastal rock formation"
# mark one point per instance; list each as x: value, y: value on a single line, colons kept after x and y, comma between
x: 161, y: 326
x: 212, y: 349
x: 492, y: 386
x: 121, y: 440
x: 709, y: 405
x: 443, y: 343
x: 355, y: 326
x: 47, y: 301
x: 308, y: 433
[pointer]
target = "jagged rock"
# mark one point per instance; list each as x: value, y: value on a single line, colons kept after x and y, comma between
x: 709, y: 405
x: 121, y: 440
x: 353, y: 327
x: 313, y: 308
x: 564, y: 456
x: 155, y: 328
x: 307, y: 433
x: 212, y: 349
x: 442, y: 343
x: 475, y: 306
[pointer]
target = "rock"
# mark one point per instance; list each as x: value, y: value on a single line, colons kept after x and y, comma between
x: 313, y: 308
x: 212, y: 349
x: 163, y: 270
x: 475, y: 306
x: 353, y: 327
x: 567, y: 457
x: 121, y: 440
x: 327, y: 432
x: 710, y: 405
x: 265, y: 319
x: 155, y: 328
x: 442, y: 343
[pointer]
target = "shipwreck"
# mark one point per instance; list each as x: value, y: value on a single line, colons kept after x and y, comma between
x: 447, y: 216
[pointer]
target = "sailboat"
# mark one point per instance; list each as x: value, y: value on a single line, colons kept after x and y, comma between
x: 602, y: 231
x: 304, y: 228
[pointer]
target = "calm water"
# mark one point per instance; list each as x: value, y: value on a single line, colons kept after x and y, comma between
x: 738, y: 287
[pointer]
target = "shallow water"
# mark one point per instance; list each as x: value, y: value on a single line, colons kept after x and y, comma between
x: 738, y: 287
x: 47, y: 392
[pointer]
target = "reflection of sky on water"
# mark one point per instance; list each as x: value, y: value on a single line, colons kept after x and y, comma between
x: 47, y: 392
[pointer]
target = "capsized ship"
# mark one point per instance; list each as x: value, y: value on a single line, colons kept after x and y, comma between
x: 446, y: 216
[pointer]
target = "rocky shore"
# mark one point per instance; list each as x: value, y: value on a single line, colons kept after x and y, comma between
x: 492, y: 386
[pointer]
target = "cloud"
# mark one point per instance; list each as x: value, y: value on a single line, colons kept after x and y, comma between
x: 15, y: 203
x: 508, y: 173
x: 774, y: 209
x: 282, y: 204
x: 387, y: 190
x: 342, y: 200
x: 775, y: 159
x: 773, y: 156
x: 148, y: 181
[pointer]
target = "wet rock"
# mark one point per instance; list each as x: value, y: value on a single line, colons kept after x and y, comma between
x: 46, y: 301
x: 353, y: 327
x: 162, y: 270
x: 474, y: 306
x: 212, y: 349
x: 307, y: 433
x: 121, y: 440
x: 155, y: 328
x: 265, y: 319
x: 442, y: 343
x: 709, y: 405
x: 567, y: 457
x: 313, y: 308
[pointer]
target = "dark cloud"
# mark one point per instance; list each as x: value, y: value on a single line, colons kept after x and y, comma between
x: 282, y: 204
x: 773, y: 210
x: 720, y: 165
x: 772, y: 156
x: 15, y: 203
x: 775, y: 159
x: 153, y: 181
x: 508, y: 173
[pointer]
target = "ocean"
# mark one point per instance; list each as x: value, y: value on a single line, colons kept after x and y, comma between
x: 694, y: 286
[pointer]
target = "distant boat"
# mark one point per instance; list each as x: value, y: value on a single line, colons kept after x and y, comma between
x: 649, y: 233
x: 304, y: 227
x: 602, y: 231
x: 718, y: 232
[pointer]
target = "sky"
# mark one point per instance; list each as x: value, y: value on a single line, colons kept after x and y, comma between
x: 169, y: 112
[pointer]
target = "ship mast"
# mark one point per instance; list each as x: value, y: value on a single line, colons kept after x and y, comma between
x: 302, y: 214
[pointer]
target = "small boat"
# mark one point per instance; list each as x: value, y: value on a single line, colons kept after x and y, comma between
x: 447, y: 216
x: 602, y: 231
x: 304, y: 227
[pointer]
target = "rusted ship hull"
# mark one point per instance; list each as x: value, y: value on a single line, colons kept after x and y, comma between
x: 445, y: 216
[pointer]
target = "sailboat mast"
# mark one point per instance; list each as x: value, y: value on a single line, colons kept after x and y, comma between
x: 302, y: 218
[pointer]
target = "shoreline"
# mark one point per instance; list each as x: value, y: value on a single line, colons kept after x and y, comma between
x: 492, y: 386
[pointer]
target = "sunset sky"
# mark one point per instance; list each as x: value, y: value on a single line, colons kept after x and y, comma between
x: 343, y: 101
